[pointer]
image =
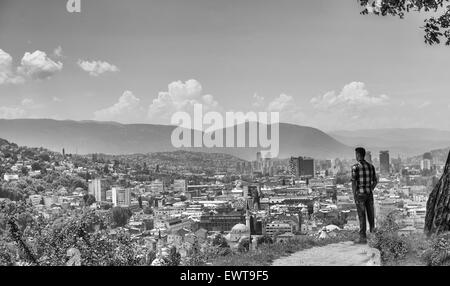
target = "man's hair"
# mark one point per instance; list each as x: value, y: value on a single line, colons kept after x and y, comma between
x: 361, y: 151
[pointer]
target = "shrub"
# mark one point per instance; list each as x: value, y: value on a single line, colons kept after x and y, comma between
x: 196, y: 259
x: 265, y: 240
x: 213, y: 252
x: 220, y: 240
x: 392, y: 247
x: 438, y: 254
x: 6, y: 257
x: 174, y: 257
x: 244, y: 245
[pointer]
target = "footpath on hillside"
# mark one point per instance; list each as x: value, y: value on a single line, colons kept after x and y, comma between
x: 337, y: 254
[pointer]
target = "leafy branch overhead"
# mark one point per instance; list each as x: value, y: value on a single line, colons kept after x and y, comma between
x: 436, y: 28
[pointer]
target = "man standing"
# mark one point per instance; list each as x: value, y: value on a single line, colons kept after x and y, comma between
x: 364, y: 181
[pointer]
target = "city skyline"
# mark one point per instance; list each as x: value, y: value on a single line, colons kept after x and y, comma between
x: 141, y: 62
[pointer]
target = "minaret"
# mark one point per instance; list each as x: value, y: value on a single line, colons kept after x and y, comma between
x: 247, y: 218
x: 247, y: 207
x: 247, y: 223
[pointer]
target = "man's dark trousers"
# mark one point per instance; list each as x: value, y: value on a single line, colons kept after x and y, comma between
x: 364, y: 204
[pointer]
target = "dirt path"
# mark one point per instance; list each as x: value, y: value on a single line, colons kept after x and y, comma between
x: 336, y: 254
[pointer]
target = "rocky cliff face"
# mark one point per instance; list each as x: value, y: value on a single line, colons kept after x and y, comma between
x: 437, y: 219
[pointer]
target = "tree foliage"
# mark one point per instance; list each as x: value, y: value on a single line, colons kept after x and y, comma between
x: 174, y: 257
x: 438, y: 254
x: 220, y: 241
x: 436, y: 28
x: 47, y: 243
x: 88, y: 199
x: 120, y: 216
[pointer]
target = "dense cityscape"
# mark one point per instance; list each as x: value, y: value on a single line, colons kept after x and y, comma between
x: 235, y: 140
x: 187, y: 208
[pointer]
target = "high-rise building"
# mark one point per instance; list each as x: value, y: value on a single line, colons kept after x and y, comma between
x: 425, y: 164
x: 302, y: 167
x: 121, y: 196
x: 95, y: 189
x: 397, y: 164
x: 428, y: 156
x: 293, y: 166
x: 384, y: 163
x: 258, y: 157
x: 306, y: 167
x: 368, y: 157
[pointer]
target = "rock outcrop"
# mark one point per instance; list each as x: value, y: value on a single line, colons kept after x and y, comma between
x: 437, y: 218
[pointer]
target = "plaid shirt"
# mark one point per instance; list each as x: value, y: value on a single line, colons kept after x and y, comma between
x: 363, y: 173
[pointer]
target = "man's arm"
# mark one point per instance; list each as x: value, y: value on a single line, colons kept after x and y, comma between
x: 375, y: 179
x: 354, y: 181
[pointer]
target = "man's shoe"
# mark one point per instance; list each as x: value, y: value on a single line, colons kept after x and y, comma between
x: 361, y: 241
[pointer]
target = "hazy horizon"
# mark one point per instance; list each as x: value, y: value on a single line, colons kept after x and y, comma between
x: 148, y: 123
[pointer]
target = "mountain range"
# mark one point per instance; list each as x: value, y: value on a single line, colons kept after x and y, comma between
x: 85, y: 137
x: 404, y: 142
x: 439, y: 156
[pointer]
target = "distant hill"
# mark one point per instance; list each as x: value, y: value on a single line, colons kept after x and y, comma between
x: 405, y: 142
x: 85, y: 137
x: 193, y: 161
x: 295, y: 140
x: 4, y: 142
x: 13, y: 150
x: 440, y: 155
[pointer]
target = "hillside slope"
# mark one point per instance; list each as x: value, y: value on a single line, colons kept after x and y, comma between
x: 84, y: 137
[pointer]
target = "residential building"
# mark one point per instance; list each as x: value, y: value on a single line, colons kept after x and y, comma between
x: 121, y: 197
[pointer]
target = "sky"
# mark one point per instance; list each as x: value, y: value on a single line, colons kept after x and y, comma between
x: 317, y: 62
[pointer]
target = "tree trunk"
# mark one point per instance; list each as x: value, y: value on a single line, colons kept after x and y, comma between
x: 437, y: 218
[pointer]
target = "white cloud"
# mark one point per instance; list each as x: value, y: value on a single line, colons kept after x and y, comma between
x: 58, y: 52
x: 289, y: 110
x: 210, y: 102
x: 258, y: 101
x: 96, y: 68
x: 354, y: 96
x: 30, y: 104
x: 27, y: 102
x: 11, y: 112
x: 56, y: 99
x: 180, y: 97
x: 424, y: 104
x: 127, y: 109
x: 38, y: 65
x: 7, y: 75
x: 281, y: 103
x: 352, y: 108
